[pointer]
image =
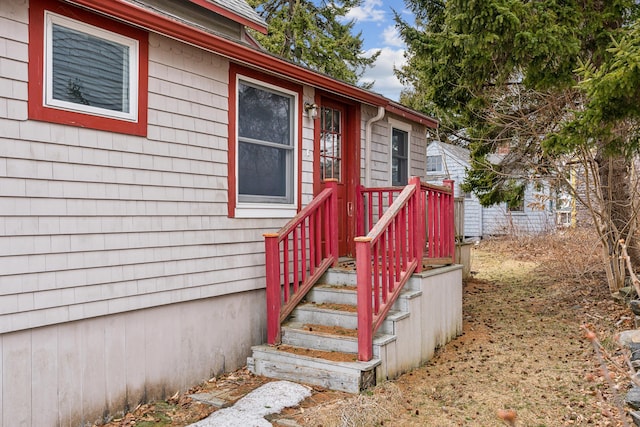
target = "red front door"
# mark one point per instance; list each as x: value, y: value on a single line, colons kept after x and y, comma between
x: 337, y: 144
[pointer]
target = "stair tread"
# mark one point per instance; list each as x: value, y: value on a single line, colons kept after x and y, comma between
x: 313, y: 355
x: 334, y: 332
x: 349, y: 308
x: 335, y: 308
x: 340, y: 288
x: 314, y: 328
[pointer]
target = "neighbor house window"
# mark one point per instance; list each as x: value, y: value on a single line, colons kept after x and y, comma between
x: 516, y: 206
x: 92, y: 71
x: 399, y: 157
x: 434, y: 163
x: 265, y: 155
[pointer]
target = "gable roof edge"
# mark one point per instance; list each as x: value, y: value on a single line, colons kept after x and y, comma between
x: 243, y: 19
x: 135, y: 15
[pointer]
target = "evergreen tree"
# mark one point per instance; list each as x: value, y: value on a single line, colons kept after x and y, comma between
x: 520, y: 76
x: 315, y: 36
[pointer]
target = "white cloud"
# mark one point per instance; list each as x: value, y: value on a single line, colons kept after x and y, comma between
x: 391, y: 37
x: 386, y: 82
x: 368, y: 11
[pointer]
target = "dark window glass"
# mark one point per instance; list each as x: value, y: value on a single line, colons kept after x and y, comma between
x: 399, y: 157
x: 265, y: 145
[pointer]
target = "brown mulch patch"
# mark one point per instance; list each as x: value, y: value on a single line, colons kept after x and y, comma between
x: 332, y: 330
x: 339, y: 307
x: 334, y: 356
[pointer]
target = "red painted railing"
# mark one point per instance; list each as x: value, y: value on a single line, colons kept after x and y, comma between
x: 298, y: 255
x: 395, y: 245
x: 440, y: 233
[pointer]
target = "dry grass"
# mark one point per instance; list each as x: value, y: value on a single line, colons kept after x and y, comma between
x: 522, y: 350
x: 368, y: 409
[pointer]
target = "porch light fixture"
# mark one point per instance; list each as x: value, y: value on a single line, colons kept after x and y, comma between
x: 311, y: 110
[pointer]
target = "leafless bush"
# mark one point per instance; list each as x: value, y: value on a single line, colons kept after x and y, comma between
x: 570, y: 255
x: 384, y: 404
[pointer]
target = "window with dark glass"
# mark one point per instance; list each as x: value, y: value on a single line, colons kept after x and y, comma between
x: 399, y: 157
x: 265, y: 144
x: 515, y: 206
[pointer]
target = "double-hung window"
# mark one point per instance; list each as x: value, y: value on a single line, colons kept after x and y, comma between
x: 87, y: 71
x: 434, y: 164
x: 266, y: 149
x: 399, y: 152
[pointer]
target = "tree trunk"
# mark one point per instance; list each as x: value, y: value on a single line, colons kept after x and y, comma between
x: 618, y: 215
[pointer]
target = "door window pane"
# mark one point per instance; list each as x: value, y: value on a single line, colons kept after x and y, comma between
x: 331, y: 144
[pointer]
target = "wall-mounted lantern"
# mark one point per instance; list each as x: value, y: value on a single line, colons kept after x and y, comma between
x: 311, y: 110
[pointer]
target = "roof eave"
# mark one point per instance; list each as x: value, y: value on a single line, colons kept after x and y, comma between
x: 256, y: 25
x: 138, y: 16
x: 415, y: 116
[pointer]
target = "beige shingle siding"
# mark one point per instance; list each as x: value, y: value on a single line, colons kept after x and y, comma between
x: 380, y: 149
x: 94, y: 223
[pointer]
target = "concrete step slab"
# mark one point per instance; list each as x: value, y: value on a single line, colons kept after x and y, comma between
x: 351, y: 377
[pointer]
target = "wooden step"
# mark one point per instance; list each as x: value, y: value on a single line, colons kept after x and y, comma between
x: 352, y: 376
x: 322, y: 315
x: 319, y: 337
x: 346, y: 294
x: 324, y: 326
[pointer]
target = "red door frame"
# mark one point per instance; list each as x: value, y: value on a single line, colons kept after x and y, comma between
x: 351, y: 165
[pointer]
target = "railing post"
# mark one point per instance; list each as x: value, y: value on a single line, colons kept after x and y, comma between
x: 365, y: 314
x: 333, y: 230
x: 418, y: 225
x: 451, y: 232
x: 360, y: 210
x: 272, y: 260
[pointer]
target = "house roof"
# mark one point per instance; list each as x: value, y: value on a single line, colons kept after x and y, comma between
x: 464, y: 155
x: 237, y: 10
x: 456, y: 151
x: 245, y: 54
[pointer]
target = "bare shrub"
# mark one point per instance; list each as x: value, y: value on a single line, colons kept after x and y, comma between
x: 383, y: 404
x: 567, y: 255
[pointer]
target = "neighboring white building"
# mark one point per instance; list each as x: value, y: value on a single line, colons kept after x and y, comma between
x: 535, y: 215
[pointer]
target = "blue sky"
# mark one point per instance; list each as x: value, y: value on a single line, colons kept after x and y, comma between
x: 375, y: 19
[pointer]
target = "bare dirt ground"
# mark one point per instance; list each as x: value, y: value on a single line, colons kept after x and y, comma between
x: 522, y: 354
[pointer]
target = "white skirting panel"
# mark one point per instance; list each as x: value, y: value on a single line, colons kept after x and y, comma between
x: 76, y: 373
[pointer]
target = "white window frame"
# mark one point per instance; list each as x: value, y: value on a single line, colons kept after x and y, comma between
x: 441, y: 164
x: 246, y: 209
x: 134, y: 68
x: 405, y: 127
